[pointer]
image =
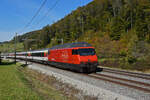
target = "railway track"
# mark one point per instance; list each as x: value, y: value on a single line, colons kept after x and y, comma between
x: 141, y: 86
x: 124, y: 82
x: 127, y: 73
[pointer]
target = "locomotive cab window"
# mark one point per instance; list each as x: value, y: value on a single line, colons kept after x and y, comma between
x: 74, y: 52
x: 86, y: 52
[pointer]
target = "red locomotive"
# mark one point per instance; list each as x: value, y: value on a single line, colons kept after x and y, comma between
x: 79, y: 57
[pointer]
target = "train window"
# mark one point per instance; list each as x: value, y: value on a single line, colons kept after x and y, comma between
x: 42, y: 54
x: 25, y: 54
x: 39, y: 54
x: 49, y: 52
x: 31, y: 54
x: 74, y: 52
x: 86, y: 52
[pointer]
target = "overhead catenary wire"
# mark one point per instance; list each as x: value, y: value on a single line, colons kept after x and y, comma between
x: 28, y: 24
x: 49, y: 10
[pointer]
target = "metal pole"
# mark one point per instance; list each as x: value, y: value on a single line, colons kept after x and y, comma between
x: 26, y: 59
x: 62, y: 41
x: 15, y: 46
x: 26, y: 47
x: 26, y: 51
x: 0, y: 58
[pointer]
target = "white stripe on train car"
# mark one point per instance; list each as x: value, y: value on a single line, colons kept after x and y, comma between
x: 34, y: 58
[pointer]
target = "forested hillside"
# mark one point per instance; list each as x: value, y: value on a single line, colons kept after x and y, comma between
x: 118, y: 29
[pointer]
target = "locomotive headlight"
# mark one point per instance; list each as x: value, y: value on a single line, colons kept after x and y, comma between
x: 89, y: 60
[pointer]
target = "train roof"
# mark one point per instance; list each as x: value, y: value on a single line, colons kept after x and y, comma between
x: 67, y: 45
x: 72, y: 45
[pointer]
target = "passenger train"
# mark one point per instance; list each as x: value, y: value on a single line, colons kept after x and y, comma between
x: 79, y: 57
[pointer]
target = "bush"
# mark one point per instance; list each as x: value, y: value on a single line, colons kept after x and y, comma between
x: 131, y: 60
x: 123, y: 53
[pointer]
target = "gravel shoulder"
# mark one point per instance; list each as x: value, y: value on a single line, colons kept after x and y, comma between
x: 102, y: 89
x: 80, y: 82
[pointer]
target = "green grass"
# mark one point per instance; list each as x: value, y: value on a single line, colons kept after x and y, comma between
x: 20, y: 83
x: 13, y: 85
x: 42, y: 84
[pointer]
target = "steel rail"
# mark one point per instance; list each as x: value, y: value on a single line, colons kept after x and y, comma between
x: 138, y: 75
x: 127, y: 71
x: 123, y: 79
x: 119, y: 83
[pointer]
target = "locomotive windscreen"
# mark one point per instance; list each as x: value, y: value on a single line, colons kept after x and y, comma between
x: 84, y: 52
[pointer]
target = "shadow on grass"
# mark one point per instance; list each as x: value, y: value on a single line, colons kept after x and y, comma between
x: 24, y: 65
x: 7, y: 63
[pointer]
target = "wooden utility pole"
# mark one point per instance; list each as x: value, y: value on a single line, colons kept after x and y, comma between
x: 15, y: 47
x: 0, y: 58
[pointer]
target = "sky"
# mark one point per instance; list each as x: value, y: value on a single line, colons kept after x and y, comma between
x: 15, y: 14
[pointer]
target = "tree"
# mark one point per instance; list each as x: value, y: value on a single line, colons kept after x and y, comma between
x: 141, y: 24
x: 117, y: 28
x: 132, y: 5
x: 45, y: 36
x: 117, y: 5
x: 142, y: 29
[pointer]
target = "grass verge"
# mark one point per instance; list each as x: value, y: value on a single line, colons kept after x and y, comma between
x: 13, y: 85
x: 49, y: 87
x: 38, y: 83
